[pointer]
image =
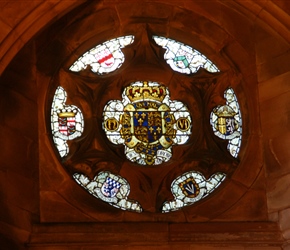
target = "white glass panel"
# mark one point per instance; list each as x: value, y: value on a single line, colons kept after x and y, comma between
x: 67, y: 122
x: 190, y: 188
x: 226, y: 122
x: 110, y: 188
x: 182, y: 58
x: 103, y: 58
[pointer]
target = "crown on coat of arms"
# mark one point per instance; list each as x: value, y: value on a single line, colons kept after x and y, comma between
x: 66, y: 114
x: 137, y: 93
x: 225, y: 111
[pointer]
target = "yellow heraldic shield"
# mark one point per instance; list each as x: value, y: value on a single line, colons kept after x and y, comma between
x: 147, y: 123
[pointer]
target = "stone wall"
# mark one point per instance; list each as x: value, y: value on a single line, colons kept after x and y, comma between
x: 273, y: 75
x: 254, y: 35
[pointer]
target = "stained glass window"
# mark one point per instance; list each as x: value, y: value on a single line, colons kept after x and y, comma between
x: 67, y: 121
x: 182, y: 58
x: 191, y: 187
x: 147, y: 122
x: 103, y: 58
x: 226, y: 122
x: 110, y: 188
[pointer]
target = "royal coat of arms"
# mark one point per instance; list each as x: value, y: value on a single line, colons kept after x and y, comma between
x: 147, y: 122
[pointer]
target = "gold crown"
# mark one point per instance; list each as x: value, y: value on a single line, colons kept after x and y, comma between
x: 137, y: 93
x: 66, y: 114
x: 225, y: 111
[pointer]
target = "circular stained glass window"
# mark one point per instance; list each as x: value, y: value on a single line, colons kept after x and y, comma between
x: 104, y: 131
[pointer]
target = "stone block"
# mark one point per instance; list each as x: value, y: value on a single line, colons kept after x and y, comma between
x: 144, y: 10
x: 286, y: 246
x: 268, y: 45
x: 274, y: 87
x: 9, y: 48
x: 284, y: 219
x: 273, y: 67
x: 56, y: 209
x: 22, y: 191
x: 83, y: 35
x: 56, y: 247
x: 279, y: 193
x: 7, y: 243
x: 263, y: 248
x: 14, y: 233
x: 19, y: 154
x: 251, y: 207
x: 20, y: 77
x: 224, y: 247
x: 19, y: 112
x: 286, y: 234
x: 230, y: 21
x: 275, y: 116
x: 15, y: 216
x: 239, y: 57
x: 251, y: 163
x: 277, y: 155
x: 13, y: 13
x: 5, y: 30
x: 274, y: 217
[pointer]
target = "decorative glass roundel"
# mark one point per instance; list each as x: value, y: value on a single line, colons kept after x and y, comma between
x: 104, y: 58
x: 67, y: 122
x: 226, y: 122
x: 147, y: 122
x: 182, y: 58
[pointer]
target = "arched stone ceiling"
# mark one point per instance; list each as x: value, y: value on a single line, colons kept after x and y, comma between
x: 33, y: 17
x: 38, y: 15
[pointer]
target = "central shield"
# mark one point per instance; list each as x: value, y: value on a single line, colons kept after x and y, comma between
x: 147, y: 125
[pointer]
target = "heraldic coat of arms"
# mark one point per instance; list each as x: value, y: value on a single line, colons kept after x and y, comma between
x: 147, y: 122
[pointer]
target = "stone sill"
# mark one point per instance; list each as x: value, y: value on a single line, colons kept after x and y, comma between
x: 153, y: 234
